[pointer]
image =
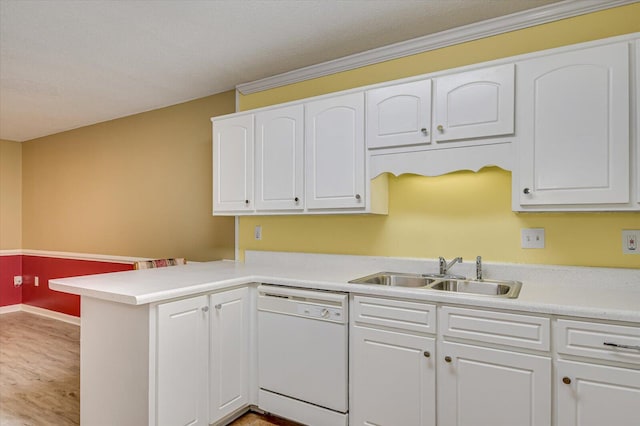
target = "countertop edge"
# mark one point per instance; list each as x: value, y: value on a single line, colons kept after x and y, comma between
x: 471, y: 301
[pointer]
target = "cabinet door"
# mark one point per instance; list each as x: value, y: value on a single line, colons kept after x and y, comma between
x: 399, y: 115
x: 233, y: 164
x: 475, y: 104
x: 229, y: 351
x: 181, y: 382
x: 334, y: 152
x: 573, y: 127
x: 595, y: 395
x: 279, y: 159
x: 481, y: 386
x: 637, y: 164
x: 392, y: 378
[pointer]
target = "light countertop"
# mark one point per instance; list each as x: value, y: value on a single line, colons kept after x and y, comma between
x: 600, y: 293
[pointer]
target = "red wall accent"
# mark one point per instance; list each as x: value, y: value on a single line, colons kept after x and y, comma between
x: 10, y: 266
x: 47, y: 268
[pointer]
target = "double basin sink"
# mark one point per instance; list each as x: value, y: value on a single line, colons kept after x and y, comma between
x: 448, y: 283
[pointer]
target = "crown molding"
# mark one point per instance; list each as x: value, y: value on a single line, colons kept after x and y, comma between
x: 475, y: 31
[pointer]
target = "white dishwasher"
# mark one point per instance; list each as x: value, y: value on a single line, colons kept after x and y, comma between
x: 303, y: 355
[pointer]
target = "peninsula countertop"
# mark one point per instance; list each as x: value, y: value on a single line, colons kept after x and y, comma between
x: 604, y: 293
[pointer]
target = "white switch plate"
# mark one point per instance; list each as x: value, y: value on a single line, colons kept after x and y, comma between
x: 258, y: 232
x: 17, y: 280
x: 533, y: 238
x: 36, y: 281
x: 630, y: 241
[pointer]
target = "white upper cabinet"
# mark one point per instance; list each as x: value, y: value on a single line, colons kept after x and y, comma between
x: 467, y: 105
x: 399, y: 115
x: 280, y: 159
x: 411, y: 125
x: 474, y: 104
x: 233, y: 164
x: 573, y: 128
x: 334, y: 152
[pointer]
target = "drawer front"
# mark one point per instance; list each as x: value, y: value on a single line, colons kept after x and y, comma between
x: 597, y: 340
x: 413, y: 316
x: 517, y: 330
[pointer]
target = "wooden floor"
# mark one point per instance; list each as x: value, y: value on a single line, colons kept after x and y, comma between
x: 39, y: 371
x: 40, y: 374
x: 253, y: 419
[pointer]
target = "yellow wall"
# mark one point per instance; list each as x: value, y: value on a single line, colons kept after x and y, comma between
x: 460, y: 214
x: 10, y: 195
x: 135, y: 186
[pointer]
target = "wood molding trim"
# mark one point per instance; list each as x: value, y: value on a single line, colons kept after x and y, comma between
x: 475, y: 31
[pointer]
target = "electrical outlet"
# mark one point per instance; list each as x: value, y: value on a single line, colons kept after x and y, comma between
x: 17, y: 280
x: 258, y: 232
x: 630, y: 241
x: 533, y: 238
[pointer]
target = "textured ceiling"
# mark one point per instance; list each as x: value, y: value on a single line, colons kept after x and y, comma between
x: 67, y: 64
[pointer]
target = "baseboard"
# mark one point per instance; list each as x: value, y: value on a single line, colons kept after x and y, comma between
x: 43, y: 312
x: 10, y: 308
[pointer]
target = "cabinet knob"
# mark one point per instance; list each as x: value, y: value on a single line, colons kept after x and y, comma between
x: 426, y: 354
x: 205, y: 309
x: 526, y: 191
x: 424, y: 131
x: 246, y: 201
x: 358, y: 196
x: 566, y: 380
x: 296, y: 199
x: 447, y: 359
x: 440, y: 128
x: 218, y: 306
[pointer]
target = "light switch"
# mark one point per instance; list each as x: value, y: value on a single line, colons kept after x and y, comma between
x: 533, y: 238
x: 630, y: 241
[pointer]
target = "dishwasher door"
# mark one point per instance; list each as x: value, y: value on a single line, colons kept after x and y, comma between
x: 303, y: 345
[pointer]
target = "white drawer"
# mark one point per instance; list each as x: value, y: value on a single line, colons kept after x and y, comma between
x: 413, y: 316
x: 518, y: 330
x: 596, y: 340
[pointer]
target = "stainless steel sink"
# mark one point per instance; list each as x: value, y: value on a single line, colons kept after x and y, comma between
x: 449, y: 283
x: 508, y: 289
x: 396, y: 279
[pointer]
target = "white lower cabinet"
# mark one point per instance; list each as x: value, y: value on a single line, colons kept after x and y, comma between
x: 181, y: 384
x: 594, y: 395
x: 202, y: 358
x: 229, y: 350
x: 399, y: 376
x: 480, y: 385
x: 411, y: 363
x: 485, y: 386
x: 392, y: 368
x: 590, y: 394
x: 393, y: 378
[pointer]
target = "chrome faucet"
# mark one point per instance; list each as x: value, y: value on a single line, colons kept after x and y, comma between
x: 479, y: 268
x: 444, y: 266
